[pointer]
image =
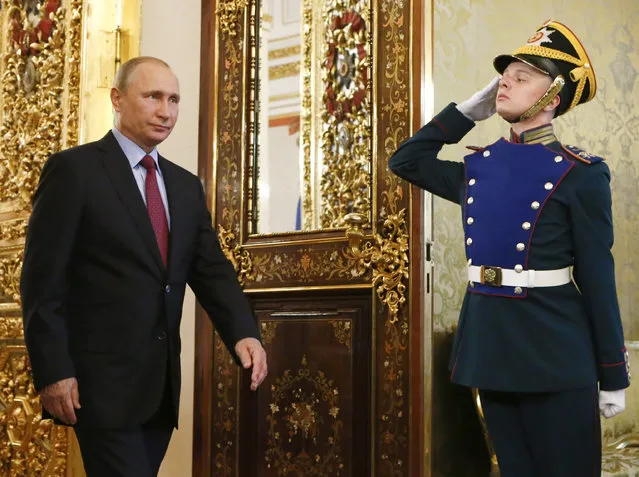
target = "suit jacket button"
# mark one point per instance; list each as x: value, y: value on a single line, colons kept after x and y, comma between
x: 162, y: 336
x: 167, y: 289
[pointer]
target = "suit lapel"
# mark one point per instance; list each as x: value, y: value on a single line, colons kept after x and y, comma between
x: 119, y: 170
x: 175, y: 203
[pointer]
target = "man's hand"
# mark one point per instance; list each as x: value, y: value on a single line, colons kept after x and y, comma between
x: 612, y: 403
x: 481, y: 105
x: 61, y: 399
x: 251, y: 353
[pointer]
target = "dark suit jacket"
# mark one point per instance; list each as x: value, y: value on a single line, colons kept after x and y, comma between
x: 542, y: 339
x: 98, y: 303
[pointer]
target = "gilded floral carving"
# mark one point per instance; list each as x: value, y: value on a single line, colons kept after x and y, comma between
x: 10, y: 268
x: 229, y: 13
x: 37, y: 115
x: 346, y: 113
x: 40, y: 87
x: 13, y: 229
x: 239, y: 257
x: 29, y: 446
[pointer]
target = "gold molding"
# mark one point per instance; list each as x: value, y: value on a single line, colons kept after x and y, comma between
x: 284, y: 52
x: 306, y: 118
x: 280, y: 97
x: 285, y: 70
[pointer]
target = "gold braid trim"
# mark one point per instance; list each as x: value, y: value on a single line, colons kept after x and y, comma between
x: 549, y: 53
x: 545, y: 100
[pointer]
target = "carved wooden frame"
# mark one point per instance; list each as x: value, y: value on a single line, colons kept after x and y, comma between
x: 375, y: 256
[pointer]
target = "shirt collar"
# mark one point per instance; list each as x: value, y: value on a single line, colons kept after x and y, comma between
x: 541, y: 135
x: 133, y: 152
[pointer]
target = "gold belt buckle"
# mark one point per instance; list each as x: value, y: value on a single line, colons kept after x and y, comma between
x: 491, y: 276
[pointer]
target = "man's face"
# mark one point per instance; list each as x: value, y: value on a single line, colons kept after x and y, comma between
x: 148, y: 108
x: 520, y: 87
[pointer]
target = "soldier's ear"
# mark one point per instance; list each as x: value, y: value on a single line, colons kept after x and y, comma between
x: 554, y: 104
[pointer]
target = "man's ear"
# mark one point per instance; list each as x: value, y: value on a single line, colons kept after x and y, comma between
x: 116, y: 95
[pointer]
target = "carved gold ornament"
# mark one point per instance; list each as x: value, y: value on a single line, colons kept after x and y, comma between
x: 40, y: 89
x: 386, y: 254
x: 346, y: 128
x: 229, y: 13
x: 10, y: 268
x: 239, y: 257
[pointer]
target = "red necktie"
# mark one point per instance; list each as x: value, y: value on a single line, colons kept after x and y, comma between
x: 155, y: 207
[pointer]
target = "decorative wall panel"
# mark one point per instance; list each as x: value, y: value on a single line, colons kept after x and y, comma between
x: 40, y: 84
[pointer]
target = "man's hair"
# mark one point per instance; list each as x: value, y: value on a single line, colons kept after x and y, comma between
x: 123, y: 75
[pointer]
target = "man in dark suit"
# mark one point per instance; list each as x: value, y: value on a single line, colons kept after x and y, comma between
x: 116, y: 234
x: 544, y: 346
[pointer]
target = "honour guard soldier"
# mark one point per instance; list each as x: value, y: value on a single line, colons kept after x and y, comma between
x: 539, y: 333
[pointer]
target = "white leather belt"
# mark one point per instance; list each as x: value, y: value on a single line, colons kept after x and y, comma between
x: 496, y: 277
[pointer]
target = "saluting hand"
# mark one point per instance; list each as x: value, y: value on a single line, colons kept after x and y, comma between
x: 61, y: 399
x: 481, y: 105
x: 251, y: 353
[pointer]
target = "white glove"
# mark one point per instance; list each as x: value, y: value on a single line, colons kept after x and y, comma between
x: 612, y: 403
x: 481, y: 105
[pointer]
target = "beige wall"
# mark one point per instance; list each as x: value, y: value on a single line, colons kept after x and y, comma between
x: 171, y: 31
x: 468, y: 35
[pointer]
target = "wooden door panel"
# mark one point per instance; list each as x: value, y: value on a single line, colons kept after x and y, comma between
x: 311, y: 416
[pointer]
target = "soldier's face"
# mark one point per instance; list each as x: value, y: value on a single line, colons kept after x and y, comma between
x: 520, y: 87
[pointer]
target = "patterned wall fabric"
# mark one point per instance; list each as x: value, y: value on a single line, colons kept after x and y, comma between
x: 467, y: 36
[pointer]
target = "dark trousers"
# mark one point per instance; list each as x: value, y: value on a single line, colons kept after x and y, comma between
x: 545, y: 434
x: 132, y: 452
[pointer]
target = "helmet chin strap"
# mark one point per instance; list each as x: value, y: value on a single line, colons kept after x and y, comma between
x: 553, y: 90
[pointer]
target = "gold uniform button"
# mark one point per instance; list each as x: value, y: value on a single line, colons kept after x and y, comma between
x: 525, y: 226
x: 470, y: 221
x: 469, y: 241
x: 558, y: 158
x: 472, y: 182
x: 548, y: 186
x: 470, y: 200
x: 486, y: 153
x: 518, y: 291
x: 519, y: 268
x: 521, y: 247
x: 534, y: 205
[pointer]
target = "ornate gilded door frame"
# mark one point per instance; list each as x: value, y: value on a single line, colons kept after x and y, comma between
x: 383, y: 256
